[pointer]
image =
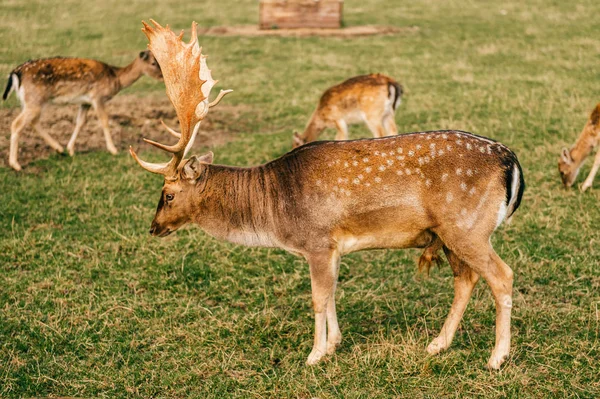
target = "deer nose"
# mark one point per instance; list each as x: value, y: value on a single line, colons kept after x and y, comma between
x: 153, y: 228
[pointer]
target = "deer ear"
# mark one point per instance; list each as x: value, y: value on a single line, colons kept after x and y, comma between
x: 194, y: 167
x: 565, y: 155
x: 207, y: 158
x: 144, y: 55
x: 297, y: 140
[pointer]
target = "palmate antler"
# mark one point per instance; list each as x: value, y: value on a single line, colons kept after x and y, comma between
x: 188, y: 82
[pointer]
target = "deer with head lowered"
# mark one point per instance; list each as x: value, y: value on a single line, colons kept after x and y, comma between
x: 570, y: 161
x: 86, y: 82
x: 436, y: 190
x: 372, y: 99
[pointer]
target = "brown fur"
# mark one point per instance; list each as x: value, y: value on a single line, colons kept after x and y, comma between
x: 372, y: 99
x: 71, y: 80
x: 309, y: 203
x: 570, y: 161
x: 441, y: 189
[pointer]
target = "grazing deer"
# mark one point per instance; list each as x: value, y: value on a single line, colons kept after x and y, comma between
x: 73, y: 80
x: 570, y: 161
x: 372, y: 99
x: 436, y: 190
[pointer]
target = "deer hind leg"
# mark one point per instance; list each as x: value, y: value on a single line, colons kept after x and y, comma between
x: 375, y: 125
x: 479, y: 255
x: 590, y: 179
x: 464, y: 282
x: 342, y: 130
x: 27, y: 116
x: 103, y: 118
x: 47, y: 138
x: 323, y: 278
x: 389, y: 122
x: 79, y: 123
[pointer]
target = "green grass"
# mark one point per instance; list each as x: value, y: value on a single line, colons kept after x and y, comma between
x: 91, y: 306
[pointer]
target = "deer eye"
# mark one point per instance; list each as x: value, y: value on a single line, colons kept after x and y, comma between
x: 169, y: 197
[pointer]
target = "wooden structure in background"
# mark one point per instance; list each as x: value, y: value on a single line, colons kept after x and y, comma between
x: 291, y: 14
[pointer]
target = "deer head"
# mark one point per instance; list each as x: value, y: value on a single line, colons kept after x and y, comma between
x: 148, y: 65
x: 570, y: 160
x: 188, y: 84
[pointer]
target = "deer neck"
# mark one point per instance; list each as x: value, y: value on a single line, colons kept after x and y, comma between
x: 584, y: 145
x: 127, y: 75
x: 313, y: 129
x: 235, y: 206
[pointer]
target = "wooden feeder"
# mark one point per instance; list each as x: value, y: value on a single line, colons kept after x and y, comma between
x: 293, y: 14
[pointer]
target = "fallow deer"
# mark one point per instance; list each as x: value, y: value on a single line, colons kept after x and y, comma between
x: 436, y: 190
x: 89, y: 83
x: 372, y: 99
x: 570, y: 161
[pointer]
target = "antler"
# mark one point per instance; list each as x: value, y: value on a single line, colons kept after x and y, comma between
x: 188, y: 84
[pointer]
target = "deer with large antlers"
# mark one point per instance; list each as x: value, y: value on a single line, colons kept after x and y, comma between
x: 86, y: 82
x: 570, y: 161
x: 436, y: 190
x: 372, y: 99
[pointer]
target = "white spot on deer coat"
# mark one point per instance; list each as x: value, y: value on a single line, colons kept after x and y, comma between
x: 449, y: 197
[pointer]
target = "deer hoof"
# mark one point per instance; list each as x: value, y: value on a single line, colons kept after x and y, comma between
x: 15, y: 166
x: 112, y: 150
x: 314, y: 357
x: 585, y: 186
x: 436, y: 346
x: 333, y: 344
x: 496, y: 361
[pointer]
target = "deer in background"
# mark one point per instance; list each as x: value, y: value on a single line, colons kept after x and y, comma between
x: 372, y: 99
x: 82, y: 81
x: 435, y: 190
x: 570, y: 161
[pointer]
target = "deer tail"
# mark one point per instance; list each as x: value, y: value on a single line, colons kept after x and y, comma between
x: 395, y: 93
x: 13, y: 83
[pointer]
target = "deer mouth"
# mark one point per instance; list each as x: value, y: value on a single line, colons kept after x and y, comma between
x: 154, y: 231
x: 165, y: 233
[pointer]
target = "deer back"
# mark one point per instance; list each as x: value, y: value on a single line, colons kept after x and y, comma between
x: 389, y: 191
x: 66, y: 79
x: 366, y: 94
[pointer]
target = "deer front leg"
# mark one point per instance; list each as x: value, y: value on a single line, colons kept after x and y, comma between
x: 464, y: 282
x: 590, y: 179
x: 323, y: 277
x: 79, y: 123
x: 103, y: 118
x: 342, y: 130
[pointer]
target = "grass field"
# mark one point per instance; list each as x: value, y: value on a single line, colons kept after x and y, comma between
x: 92, y: 306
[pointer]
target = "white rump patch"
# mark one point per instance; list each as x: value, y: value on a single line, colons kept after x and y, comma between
x: 501, y: 213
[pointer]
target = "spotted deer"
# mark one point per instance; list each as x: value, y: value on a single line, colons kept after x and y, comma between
x: 436, y: 190
x: 372, y: 99
x: 570, y: 161
x: 89, y: 83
